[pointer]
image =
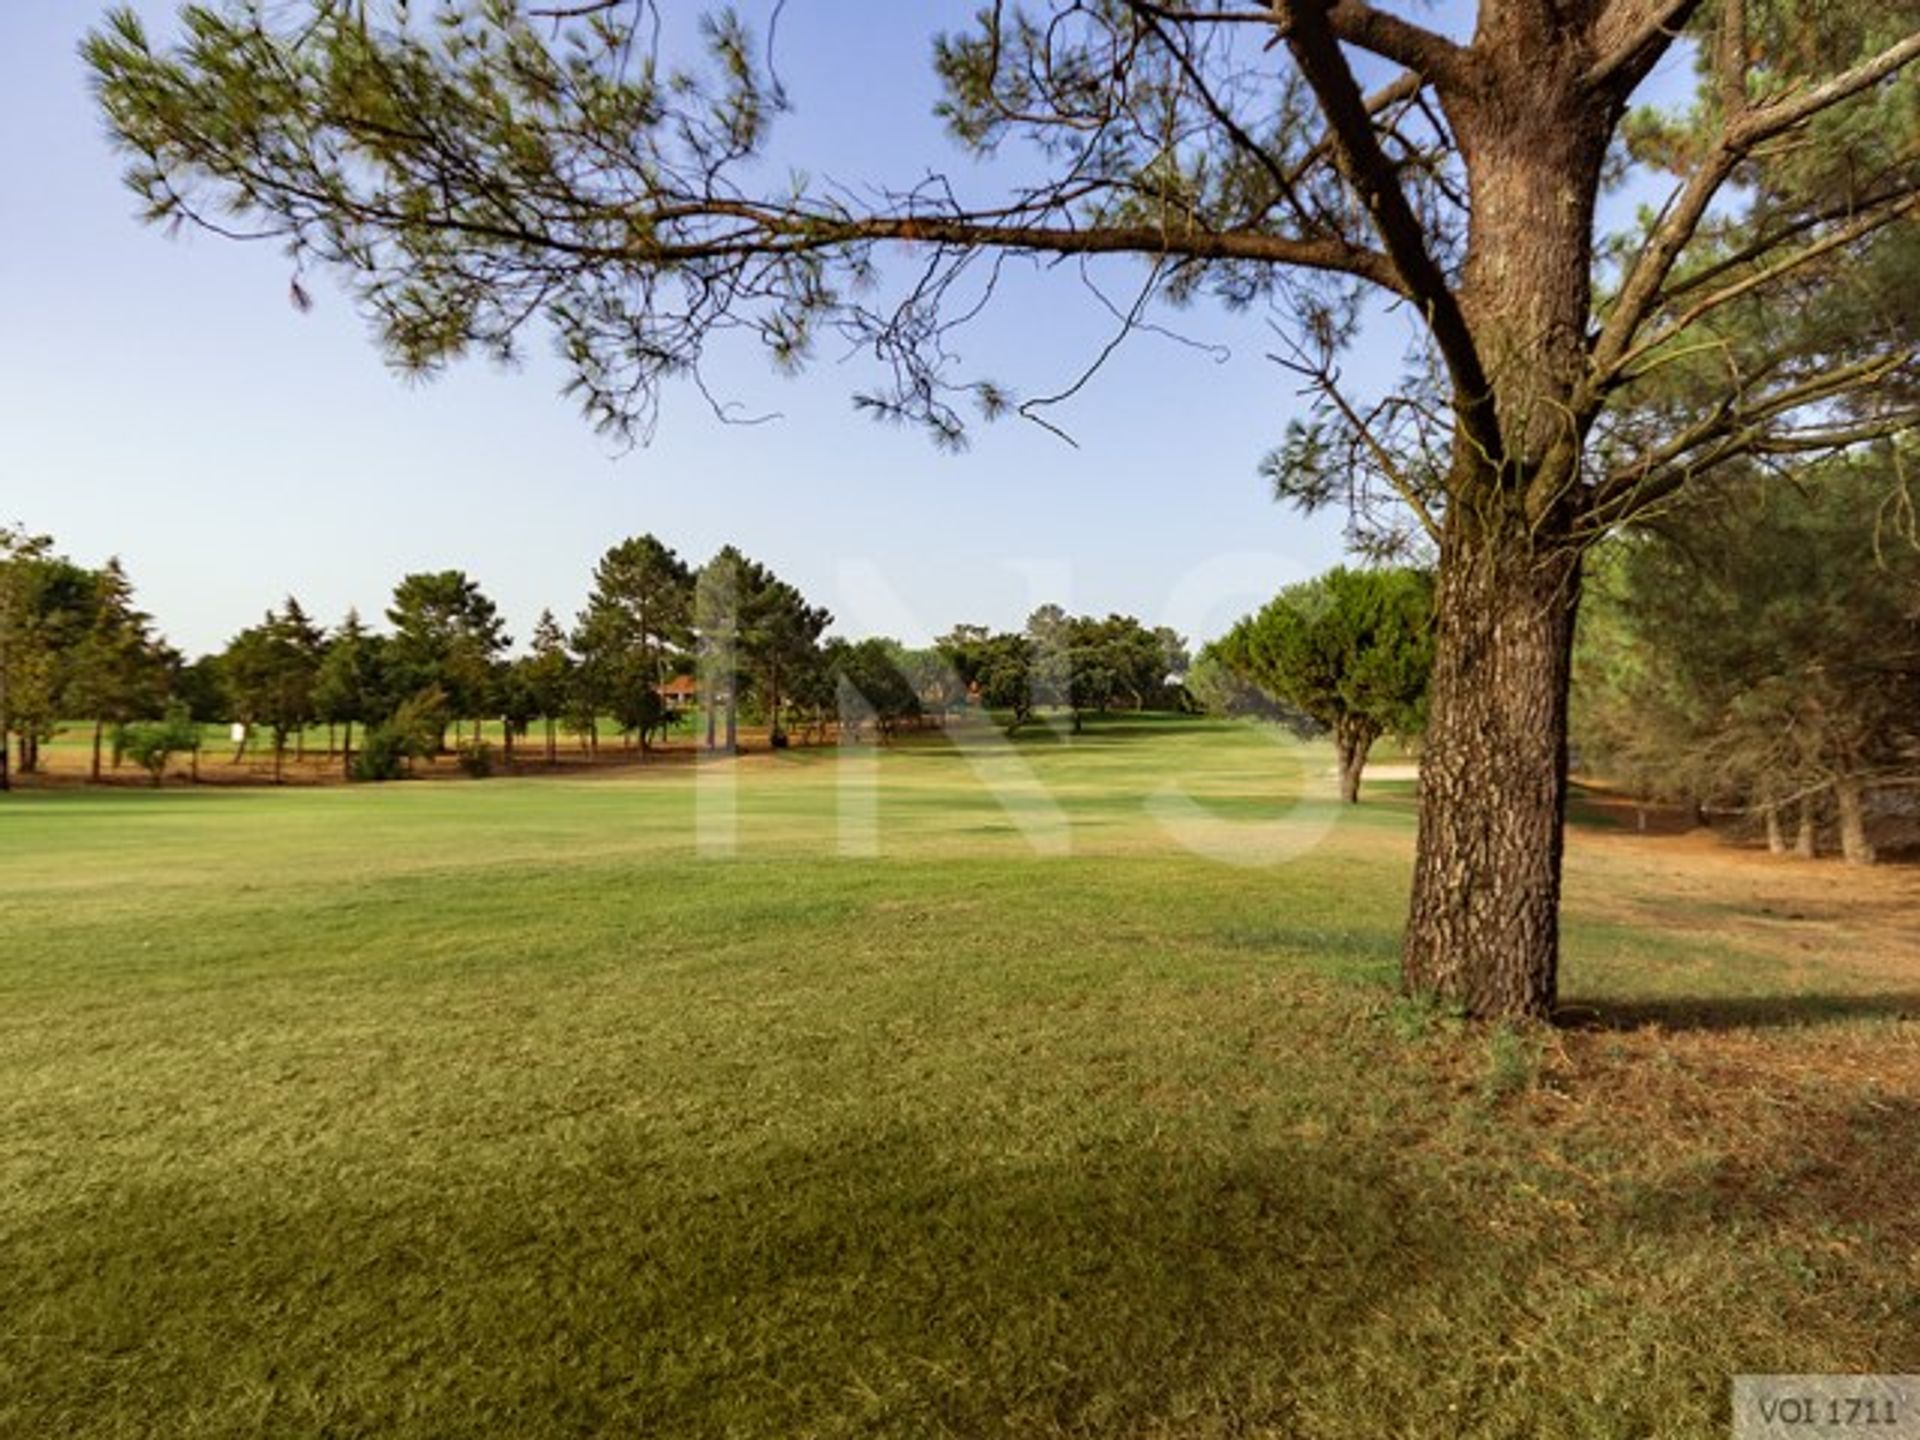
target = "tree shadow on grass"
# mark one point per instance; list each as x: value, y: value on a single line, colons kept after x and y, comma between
x: 1054, y: 731
x: 868, y: 1285
x: 895, y: 1283
x: 1737, y: 1012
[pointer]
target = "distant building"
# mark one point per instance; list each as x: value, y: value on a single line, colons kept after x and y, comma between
x: 680, y: 693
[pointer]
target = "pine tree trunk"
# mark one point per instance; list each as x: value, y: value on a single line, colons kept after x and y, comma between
x: 553, y: 753
x: 98, y: 726
x: 650, y: 677
x: 1483, y: 927
x: 733, y: 720
x: 1855, y: 847
x: 6, y: 722
x: 649, y: 671
x: 346, y: 752
x: 1352, y: 738
x: 1806, y: 840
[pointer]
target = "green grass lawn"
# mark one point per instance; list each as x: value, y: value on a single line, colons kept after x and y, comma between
x: 499, y: 1109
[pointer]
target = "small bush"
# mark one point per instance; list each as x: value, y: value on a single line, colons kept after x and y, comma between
x: 151, y: 743
x: 476, y: 758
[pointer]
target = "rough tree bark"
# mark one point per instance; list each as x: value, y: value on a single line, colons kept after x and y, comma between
x: 1776, y: 836
x: 1493, y: 784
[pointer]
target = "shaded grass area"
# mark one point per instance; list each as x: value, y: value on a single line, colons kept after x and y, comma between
x: 497, y: 1109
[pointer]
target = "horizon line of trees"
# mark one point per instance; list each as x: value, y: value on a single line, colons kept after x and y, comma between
x: 1759, y: 661
x: 74, y: 645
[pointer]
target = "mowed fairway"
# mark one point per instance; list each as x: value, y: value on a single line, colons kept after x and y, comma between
x: 499, y: 1109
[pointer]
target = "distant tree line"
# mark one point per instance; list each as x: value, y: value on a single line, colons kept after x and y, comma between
x: 658, y: 640
x: 1076, y: 664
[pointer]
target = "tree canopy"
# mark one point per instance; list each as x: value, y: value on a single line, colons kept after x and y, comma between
x: 1763, y: 657
x: 1352, y: 649
x: 71, y: 642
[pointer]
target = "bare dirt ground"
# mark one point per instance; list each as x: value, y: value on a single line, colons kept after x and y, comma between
x: 1682, y: 877
x: 66, y: 765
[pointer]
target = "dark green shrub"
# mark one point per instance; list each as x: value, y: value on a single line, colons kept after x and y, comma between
x: 476, y: 758
x: 383, y: 755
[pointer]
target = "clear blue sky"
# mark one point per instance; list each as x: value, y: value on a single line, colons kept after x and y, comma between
x: 161, y: 400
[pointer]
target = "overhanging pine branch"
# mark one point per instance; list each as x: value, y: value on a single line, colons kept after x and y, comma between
x: 1735, y: 430
x: 1649, y: 30
x: 1776, y: 269
x: 1315, y: 46
x: 1741, y: 133
x: 1387, y: 35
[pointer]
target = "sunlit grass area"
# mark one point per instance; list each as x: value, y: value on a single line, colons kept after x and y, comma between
x: 951, y: 1089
